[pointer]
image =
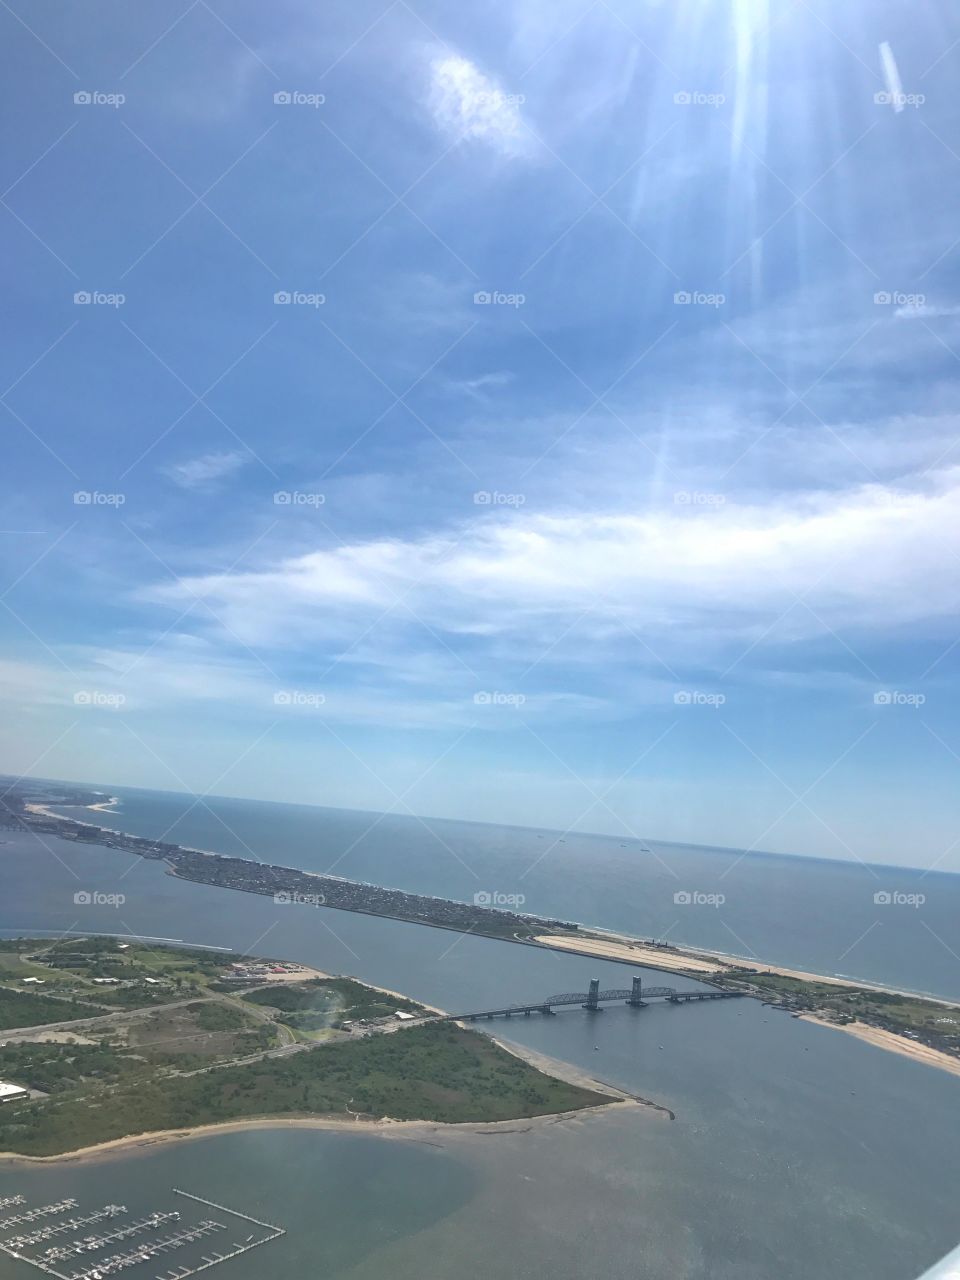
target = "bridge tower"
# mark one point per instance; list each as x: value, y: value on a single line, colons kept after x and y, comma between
x: 592, y: 995
x: 636, y: 995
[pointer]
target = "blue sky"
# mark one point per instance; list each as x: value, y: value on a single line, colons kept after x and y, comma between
x: 529, y: 412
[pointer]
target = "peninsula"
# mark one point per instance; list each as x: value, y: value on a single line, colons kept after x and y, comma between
x: 924, y: 1028
x: 103, y: 1040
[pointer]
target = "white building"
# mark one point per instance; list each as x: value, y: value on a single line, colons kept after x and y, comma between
x: 12, y: 1092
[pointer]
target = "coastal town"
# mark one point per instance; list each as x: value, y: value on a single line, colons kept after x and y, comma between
x: 25, y: 809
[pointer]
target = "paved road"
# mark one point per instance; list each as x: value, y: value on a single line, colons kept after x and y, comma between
x: 110, y: 1019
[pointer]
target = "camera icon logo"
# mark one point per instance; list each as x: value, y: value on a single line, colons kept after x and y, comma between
x: 482, y: 898
x: 482, y: 298
x: 882, y: 898
x: 82, y: 299
x: 882, y: 298
x: 282, y: 298
x: 82, y: 898
x: 83, y: 98
x: 682, y: 898
x: 683, y: 98
x: 283, y: 98
x: 882, y: 698
x: 282, y: 898
x: 682, y: 698
x: 682, y: 298
x: 282, y: 698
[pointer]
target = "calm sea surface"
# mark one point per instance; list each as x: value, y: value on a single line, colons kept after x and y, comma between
x: 797, y: 1152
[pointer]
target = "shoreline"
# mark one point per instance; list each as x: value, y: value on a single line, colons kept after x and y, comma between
x: 891, y: 1042
x: 575, y: 1075
x: 386, y: 1127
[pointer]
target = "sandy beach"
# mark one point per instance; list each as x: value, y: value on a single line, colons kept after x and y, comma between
x: 688, y: 960
x: 892, y: 1043
x: 410, y: 1130
x: 635, y: 953
x: 700, y: 965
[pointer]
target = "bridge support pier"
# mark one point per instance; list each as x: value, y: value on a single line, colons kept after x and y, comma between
x: 591, y: 1005
x: 636, y: 995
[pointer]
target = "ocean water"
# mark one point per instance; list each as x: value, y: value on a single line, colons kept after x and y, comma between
x: 808, y: 913
x: 797, y: 1152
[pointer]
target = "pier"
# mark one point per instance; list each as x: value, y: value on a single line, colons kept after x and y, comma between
x: 53, y: 1229
x: 28, y: 1246
x: 636, y: 997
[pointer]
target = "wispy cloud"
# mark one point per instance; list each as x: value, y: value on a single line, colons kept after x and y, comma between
x: 207, y: 470
x: 468, y: 104
x: 693, y: 572
x: 926, y: 311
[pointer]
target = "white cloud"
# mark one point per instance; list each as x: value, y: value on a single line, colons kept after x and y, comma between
x: 923, y: 310
x: 696, y: 575
x: 206, y: 470
x: 468, y: 104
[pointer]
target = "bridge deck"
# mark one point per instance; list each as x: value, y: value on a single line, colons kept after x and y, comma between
x: 582, y: 998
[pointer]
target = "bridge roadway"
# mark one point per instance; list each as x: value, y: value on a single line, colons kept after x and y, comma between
x: 592, y: 999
